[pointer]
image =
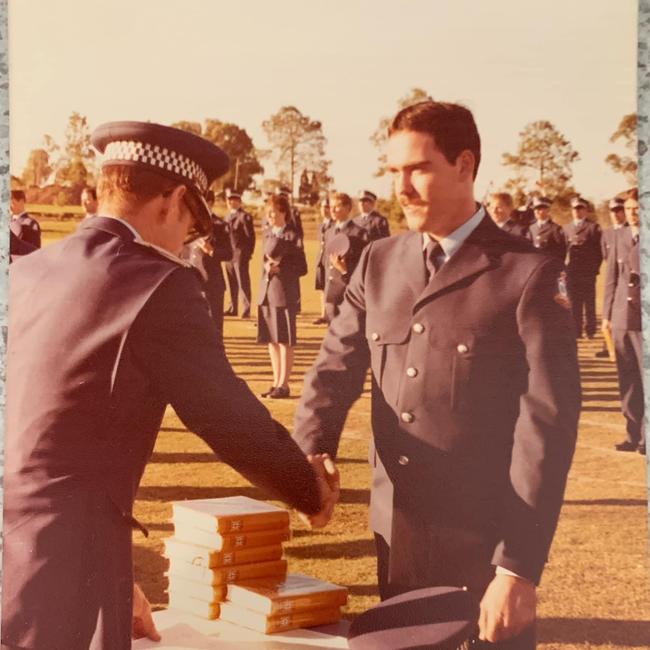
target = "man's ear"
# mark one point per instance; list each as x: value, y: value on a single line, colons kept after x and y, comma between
x: 171, y: 200
x: 466, y: 163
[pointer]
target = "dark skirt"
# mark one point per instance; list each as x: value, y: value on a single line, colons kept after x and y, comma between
x: 276, y: 325
x: 320, y: 277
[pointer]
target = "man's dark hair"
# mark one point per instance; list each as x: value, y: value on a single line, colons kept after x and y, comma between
x: 18, y: 195
x: 452, y: 127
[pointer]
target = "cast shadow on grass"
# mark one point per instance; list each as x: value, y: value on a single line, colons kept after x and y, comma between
x: 363, y: 590
x: 600, y: 397
x: 607, y: 502
x: 180, y: 457
x: 601, y: 409
x: 594, y: 632
x: 358, y: 548
x: 167, y: 493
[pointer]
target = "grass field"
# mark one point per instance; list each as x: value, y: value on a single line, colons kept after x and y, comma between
x: 595, y: 591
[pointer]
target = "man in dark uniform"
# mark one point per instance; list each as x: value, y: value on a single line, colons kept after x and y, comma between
x: 475, y: 384
x: 344, y: 241
x: 323, y: 227
x: 608, y: 246
x: 107, y: 327
x: 89, y: 202
x: 283, y: 190
x: 622, y: 316
x: 242, y: 238
x: 544, y: 233
x: 585, y: 256
x: 206, y: 254
x: 18, y: 247
x: 22, y: 224
x: 376, y: 224
x: 501, y: 209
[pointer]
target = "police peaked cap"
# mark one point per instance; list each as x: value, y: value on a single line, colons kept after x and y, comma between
x: 541, y: 202
x: 616, y: 204
x: 367, y: 194
x: 577, y: 202
x: 178, y: 155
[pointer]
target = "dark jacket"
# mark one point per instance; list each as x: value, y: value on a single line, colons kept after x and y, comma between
x: 27, y: 229
x: 105, y: 332
x: 584, y: 248
x: 475, y: 397
x: 335, y: 281
x: 18, y: 247
x: 515, y: 228
x: 622, y: 301
x: 376, y: 225
x: 282, y: 289
x: 549, y: 238
x: 242, y: 234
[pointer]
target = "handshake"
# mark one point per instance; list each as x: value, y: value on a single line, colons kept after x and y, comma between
x: 329, y: 485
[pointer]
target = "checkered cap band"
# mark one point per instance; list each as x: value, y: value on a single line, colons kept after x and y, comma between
x: 159, y: 158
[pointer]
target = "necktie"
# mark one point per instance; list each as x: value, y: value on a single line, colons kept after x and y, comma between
x: 432, y: 262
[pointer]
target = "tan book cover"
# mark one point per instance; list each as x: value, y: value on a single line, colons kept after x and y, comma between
x: 294, y: 593
x: 220, y: 542
x: 229, y: 515
x: 193, y: 606
x: 198, y: 590
x: 281, y: 623
x: 225, y: 575
x: 212, y: 559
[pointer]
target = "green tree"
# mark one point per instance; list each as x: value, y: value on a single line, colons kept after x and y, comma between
x: 626, y: 164
x: 38, y: 168
x: 543, y: 162
x: 296, y: 141
x: 76, y: 157
x: 234, y: 140
x: 380, y: 135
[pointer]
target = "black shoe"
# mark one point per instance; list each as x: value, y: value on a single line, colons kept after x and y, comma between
x: 281, y: 392
x: 602, y: 354
x: 268, y: 392
x: 641, y: 449
x: 246, y: 314
x: 230, y: 312
x: 319, y: 321
x: 626, y: 445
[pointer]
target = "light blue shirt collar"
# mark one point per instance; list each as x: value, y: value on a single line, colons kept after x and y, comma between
x: 453, y: 241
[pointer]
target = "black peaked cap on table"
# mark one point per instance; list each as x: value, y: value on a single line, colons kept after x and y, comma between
x: 440, y: 618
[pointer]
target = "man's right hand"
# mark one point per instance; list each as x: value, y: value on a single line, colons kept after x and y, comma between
x: 329, y: 483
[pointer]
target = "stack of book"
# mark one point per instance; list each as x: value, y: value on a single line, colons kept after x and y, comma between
x: 221, y: 541
x: 279, y: 604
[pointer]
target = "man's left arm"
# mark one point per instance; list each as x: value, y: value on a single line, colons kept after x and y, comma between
x: 545, y: 432
x: 544, y: 441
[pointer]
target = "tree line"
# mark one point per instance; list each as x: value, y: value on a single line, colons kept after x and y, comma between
x: 541, y: 164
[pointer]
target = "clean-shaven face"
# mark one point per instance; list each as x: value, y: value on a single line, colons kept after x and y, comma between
x: 617, y: 217
x: 500, y: 210
x: 632, y: 212
x: 340, y: 211
x: 426, y: 184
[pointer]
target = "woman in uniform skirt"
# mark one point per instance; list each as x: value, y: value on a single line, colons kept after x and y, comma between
x: 282, y: 266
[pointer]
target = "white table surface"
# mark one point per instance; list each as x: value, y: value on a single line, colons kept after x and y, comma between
x: 182, y: 631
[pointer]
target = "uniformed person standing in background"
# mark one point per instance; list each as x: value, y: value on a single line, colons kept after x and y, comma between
x: 283, y: 264
x: 608, y: 246
x: 585, y: 256
x: 376, y: 224
x: 323, y: 227
x: 89, y: 202
x: 475, y: 384
x: 501, y: 209
x: 344, y: 241
x: 284, y: 191
x: 544, y: 233
x: 242, y: 238
x: 22, y: 224
x: 623, y: 302
x: 206, y: 255
x: 108, y: 327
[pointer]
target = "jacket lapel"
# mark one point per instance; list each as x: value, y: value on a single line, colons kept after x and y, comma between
x: 472, y: 258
